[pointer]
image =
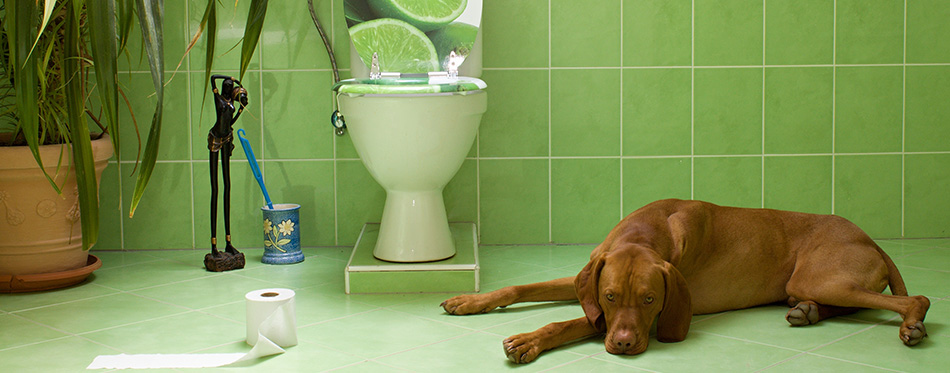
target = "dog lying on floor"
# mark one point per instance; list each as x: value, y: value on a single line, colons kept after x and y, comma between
x: 672, y: 259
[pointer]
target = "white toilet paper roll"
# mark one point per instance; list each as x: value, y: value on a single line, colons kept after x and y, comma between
x: 271, y: 324
x: 271, y: 315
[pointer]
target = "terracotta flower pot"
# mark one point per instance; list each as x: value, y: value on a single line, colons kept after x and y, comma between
x: 40, y: 230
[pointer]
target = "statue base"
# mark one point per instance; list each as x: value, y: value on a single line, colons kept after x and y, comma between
x: 224, y: 261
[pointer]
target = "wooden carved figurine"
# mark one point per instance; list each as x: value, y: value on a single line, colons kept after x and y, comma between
x: 221, y: 140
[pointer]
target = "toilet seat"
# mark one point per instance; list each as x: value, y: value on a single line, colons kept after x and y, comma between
x: 410, y: 85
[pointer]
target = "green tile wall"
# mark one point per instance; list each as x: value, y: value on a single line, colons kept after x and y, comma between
x: 595, y: 108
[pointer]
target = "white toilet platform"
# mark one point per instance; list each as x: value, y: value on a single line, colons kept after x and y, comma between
x: 458, y: 274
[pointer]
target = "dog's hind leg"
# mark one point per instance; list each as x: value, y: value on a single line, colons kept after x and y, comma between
x: 829, y: 294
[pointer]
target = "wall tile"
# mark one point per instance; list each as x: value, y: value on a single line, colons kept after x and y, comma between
x: 514, y: 201
x: 461, y: 194
x: 925, y: 193
x: 798, y: 110
x: 359, y: 200
x: 875, y: 209
x: 585, y: 119
x: 868, y: 109
x: 310, y: 185
x: 140, y: 91
x: 926, y: 111
x: 649, y: 179
x: 296, y: 124
x: 515, y: 33
x: 656, y: 112
x: 798, y: 184
x: 231, y: 20
x: 799, y: 32
x: 728, y: 32
x: 293, y: 43
x: 516, y: 123
x: 729, y: 181
x: 869, y: 31
x: 657, y: 32
x: 585, y: 33
x: 167, y: 204
x: 110, y: 208
x: 928, y: 33
x: 728, y: 114
x: 246, y: 202
x: 585, y: 199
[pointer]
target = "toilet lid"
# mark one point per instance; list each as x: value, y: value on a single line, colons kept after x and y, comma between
x: 420, y: 85
x: 413, y: 36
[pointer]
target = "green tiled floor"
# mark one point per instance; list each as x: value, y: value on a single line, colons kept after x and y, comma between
x: 164, y: 302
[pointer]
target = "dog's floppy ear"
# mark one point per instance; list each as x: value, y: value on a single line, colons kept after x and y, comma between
x: 673, y: 322
x: 586, y: 287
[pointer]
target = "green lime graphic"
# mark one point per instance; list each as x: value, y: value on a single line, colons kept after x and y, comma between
x: 426, y: 15
x: 457, y: 36
x: 400, y: 46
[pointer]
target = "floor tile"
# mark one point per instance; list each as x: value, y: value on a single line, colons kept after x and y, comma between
x: 177, y: 334
x: 18, y: 331
x: 378, y: 333
x: 474, y: 352
x: 767, y: 325
x: 21, y: 301
x: 99, y: 313
x: 880, y: 346
x: 813, y: 363
x: 72, y: 354
x: 207, y: 291
x: 304, y: 357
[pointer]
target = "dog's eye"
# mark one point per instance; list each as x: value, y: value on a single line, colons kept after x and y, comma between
x: 610, y: 297
x: 649, y: 300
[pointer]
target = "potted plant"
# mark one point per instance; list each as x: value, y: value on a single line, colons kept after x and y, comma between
x: 47, y: 50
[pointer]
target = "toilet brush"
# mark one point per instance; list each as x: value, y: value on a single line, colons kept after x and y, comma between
x: 253, y: 162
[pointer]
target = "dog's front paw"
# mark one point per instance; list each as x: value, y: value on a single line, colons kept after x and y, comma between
x: 521, y: 348
x: 468, y: 304
x: 913, y: 334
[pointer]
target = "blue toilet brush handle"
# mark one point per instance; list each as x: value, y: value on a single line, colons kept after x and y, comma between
x: 253, y: 162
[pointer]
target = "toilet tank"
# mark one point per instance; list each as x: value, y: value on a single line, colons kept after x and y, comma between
x: 470, y: 67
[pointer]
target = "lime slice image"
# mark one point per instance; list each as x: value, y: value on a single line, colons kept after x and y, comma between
x: 457, y: 36
x: 400, y: 46
x: 426, y: 15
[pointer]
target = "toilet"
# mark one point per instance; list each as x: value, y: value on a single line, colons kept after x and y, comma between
x: 413, y: 127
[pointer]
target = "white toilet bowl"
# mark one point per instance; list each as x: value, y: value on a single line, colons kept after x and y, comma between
x: 412, y: 129
x: 413, y: 145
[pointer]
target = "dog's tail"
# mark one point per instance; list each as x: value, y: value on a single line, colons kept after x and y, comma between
x: 894, y: 279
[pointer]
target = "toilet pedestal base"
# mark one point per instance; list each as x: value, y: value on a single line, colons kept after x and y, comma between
x: 458, y: 274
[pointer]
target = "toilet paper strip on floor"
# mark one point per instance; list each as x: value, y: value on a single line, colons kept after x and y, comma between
x: 271, y: 325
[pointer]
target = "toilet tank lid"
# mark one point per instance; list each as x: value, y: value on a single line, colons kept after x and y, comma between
x: 411, y: 85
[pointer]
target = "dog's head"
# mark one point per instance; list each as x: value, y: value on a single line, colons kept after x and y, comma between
x: 622, y: 291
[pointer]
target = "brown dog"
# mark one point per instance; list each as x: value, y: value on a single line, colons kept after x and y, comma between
x: 672, y: 259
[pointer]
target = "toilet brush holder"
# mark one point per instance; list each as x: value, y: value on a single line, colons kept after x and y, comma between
x: 282, y: 234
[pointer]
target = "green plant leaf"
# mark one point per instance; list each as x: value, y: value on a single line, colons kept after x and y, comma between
x: 47, y: 12
x: 103, y: 41
x: 124, y: 14
x: 211, y: 15
x: 150, y: 13
x: 252, y: 32
x: 79, y: 131
x: 19, y: 27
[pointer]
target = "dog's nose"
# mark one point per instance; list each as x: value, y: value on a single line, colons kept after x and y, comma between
x: 623, y: 340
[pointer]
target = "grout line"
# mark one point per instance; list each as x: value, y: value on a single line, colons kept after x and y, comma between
x: 903, y: 121
x: 550, y: 177
x: 834, y: 97
x: 692, y: 101
x: 621, y: 207
x: 762, y: 163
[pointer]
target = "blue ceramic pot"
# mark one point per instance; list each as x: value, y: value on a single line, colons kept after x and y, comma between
x: 282, y: 234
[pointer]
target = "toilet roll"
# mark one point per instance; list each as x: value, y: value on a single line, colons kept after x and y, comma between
x: 271, y: 325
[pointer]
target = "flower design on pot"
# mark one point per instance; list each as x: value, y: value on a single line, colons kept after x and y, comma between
x: 272, y: 235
